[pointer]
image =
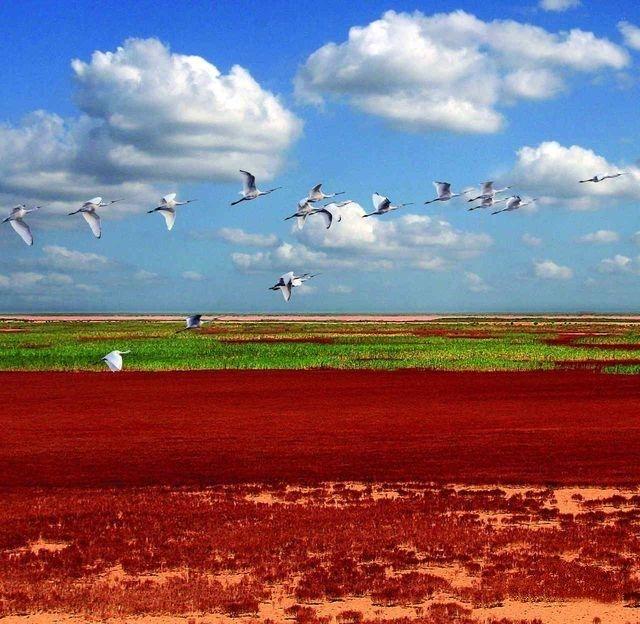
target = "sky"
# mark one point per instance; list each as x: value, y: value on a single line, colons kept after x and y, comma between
x: 138, y: 101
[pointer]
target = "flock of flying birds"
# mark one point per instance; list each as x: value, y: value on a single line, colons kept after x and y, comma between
x: 307, y: 207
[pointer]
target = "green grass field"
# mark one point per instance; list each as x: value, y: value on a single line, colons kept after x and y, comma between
x: 455, y: 344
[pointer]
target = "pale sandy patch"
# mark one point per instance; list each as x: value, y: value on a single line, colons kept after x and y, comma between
x: 569, y: 612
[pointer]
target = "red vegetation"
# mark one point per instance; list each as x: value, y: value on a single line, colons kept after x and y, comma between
x: 440, y: 551
x: 194, y: 428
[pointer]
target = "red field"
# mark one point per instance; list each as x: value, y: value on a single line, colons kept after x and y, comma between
x: 200, y: 428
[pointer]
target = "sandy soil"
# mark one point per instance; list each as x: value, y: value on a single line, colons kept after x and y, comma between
x: 101, y: 429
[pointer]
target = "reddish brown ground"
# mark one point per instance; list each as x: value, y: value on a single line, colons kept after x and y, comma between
x: 97, y: 429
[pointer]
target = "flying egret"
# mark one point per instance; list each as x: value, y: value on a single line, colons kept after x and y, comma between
x: 16, y: 217
x: 514, y: 203
x: 88, y: 211
x: 167, y: 208
x: 597, y: 179
x: 114, y: 360
x: 249, y: 190
x: 192, y: 322
x: 443, y: 191
x: 288, y: 281
x: 306, y: 209
x: 489, y: 191
x: 487, y: 202
x: 382, y: 205
x: 317, y: 194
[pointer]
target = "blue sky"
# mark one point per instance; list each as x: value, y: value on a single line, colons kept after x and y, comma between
x: 460, y: 91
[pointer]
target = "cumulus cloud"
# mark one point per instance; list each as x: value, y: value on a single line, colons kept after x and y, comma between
x: 192, y: 276
x: 58, y: 257
x: 547, y: 269
x: 238, y: 236
x: 475, y: 283
x: 531, y: 241
x: 553, y: 172
x: 417, y: 241
x: 600, y: 237
x: 29, y: 284
x: 559, y: 5
x: 147, y: 115
x: 449, y: 71
x: 631, y: 34
x: 619, y: 264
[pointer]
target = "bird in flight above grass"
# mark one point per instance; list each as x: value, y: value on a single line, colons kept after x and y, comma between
x: 192, y: 322
x: 113, y: 360
x: 288, y: 282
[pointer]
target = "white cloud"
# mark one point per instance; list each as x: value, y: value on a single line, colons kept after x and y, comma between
x: 449, y: 71
x: 416, y: 241
x: 143, y: 275
x: 59, y: 257
x: 238, y: 236
x: 475, y: 283
x: 147, y: 115
x: 40, y: 284
x: 559, y: 5
x: 619, y: 264
x: 547, y: 269
x: 193, y: 276
x: 631, y: 34
x: 553, y: 172
x: 600, y: 237
x: 531, y: 241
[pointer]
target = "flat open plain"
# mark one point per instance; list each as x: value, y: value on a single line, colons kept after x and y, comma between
x: 469, y: 471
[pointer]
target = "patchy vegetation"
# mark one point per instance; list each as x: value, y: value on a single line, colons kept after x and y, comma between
x: 456, y: 344
x: 337, y: 552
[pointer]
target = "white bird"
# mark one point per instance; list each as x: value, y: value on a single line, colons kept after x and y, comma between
x: 167, y: 208
x: 88, y: 211
x: 317, y: 194
x: 288, y: 281
x: 487, y: 202
x: 249, y: 190
x: 604, y: 177
x: 192, y: 322
x: 306, y: 209
x: 382, y: 205
x: 443, y: 191
x: 488, y: 191
x: 514, y: 203
x: 15, y: 219
x: 114, y: 360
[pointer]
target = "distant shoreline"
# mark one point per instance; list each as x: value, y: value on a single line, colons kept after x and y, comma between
x: 384, y: 318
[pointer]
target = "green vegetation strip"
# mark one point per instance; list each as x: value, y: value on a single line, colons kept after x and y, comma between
x: 469, y: 345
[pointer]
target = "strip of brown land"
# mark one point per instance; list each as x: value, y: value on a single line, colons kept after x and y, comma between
x: 174, y: 428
